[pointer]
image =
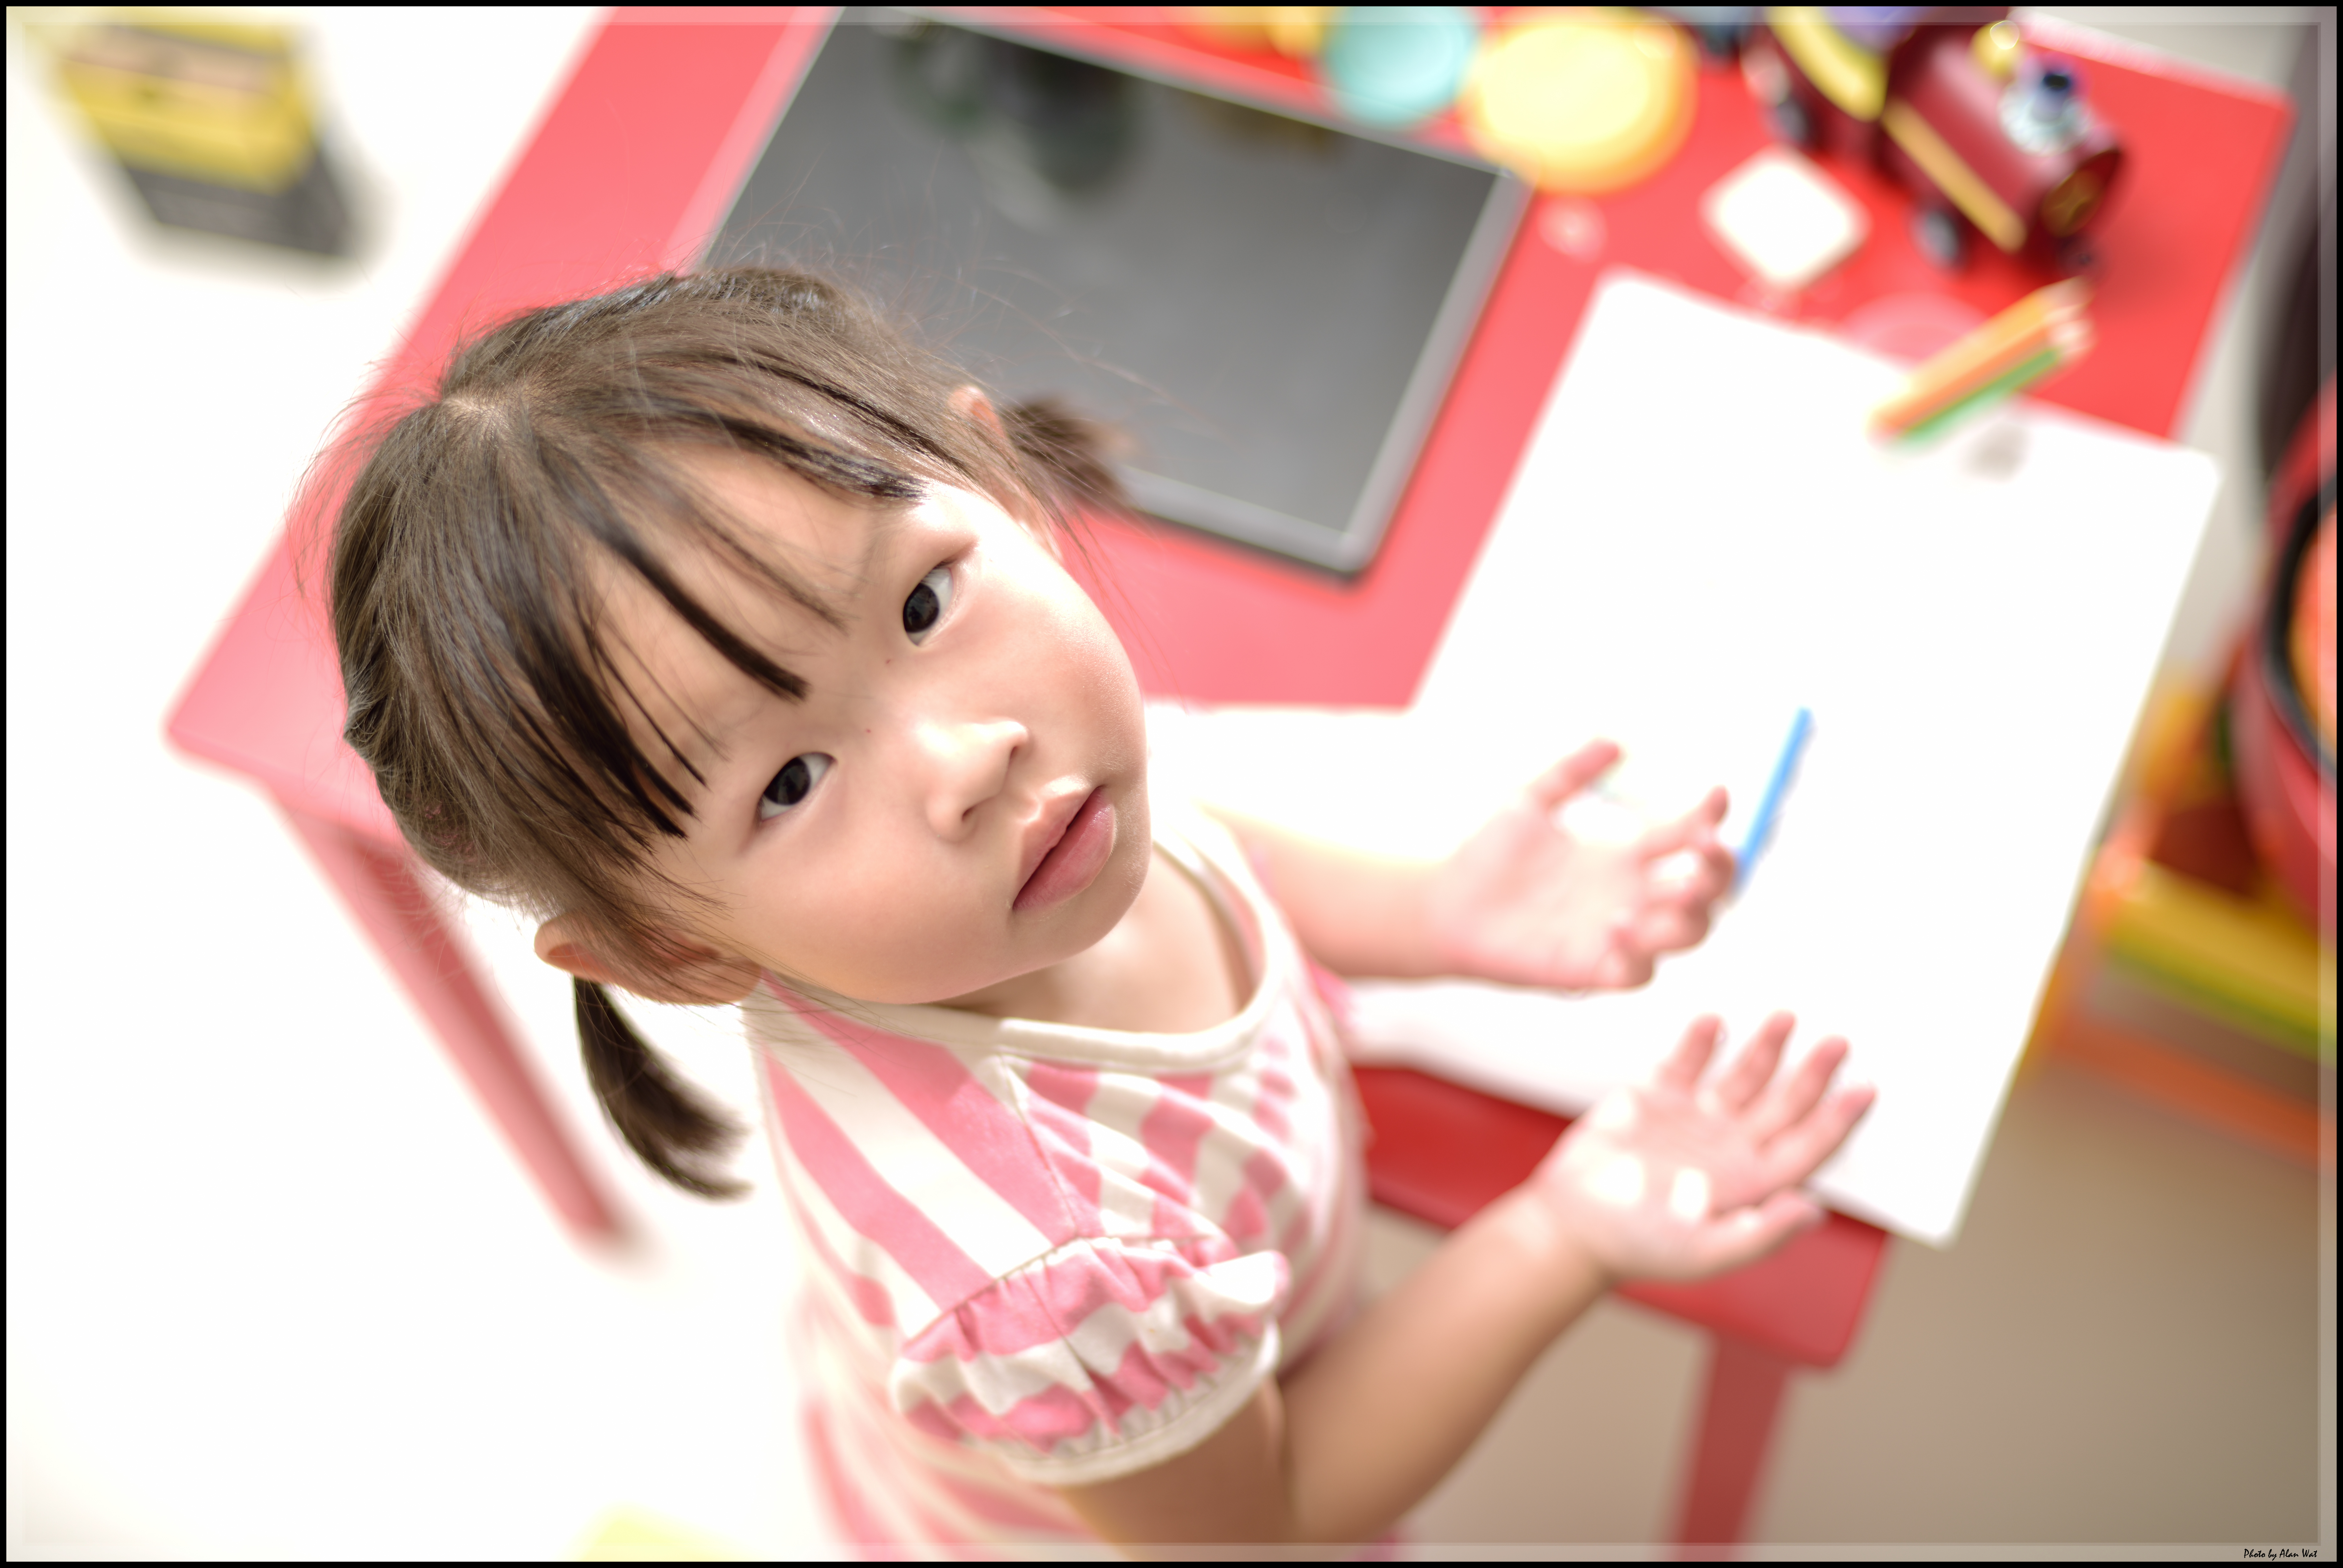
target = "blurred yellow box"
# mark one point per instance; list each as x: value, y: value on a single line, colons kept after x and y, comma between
x: 218, y: 102
x: 2250, y: 961
x: 2187, y: 976
x: 211, y: 118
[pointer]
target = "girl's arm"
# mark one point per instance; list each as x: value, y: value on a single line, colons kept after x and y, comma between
x: 1673, y: 1179
x: 1522, y: 901
x: 1356, y: 912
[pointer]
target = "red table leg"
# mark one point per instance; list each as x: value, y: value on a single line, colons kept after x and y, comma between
x: 1737, y: 1425
x: 380, y: 887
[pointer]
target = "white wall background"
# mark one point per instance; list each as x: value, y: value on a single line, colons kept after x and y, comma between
x: 274, y: 1285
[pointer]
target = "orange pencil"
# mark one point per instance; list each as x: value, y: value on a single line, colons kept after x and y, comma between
x: 2040, y: 332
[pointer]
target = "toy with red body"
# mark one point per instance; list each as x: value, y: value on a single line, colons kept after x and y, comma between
x: 1996, y: 138
x: 2282, y: 695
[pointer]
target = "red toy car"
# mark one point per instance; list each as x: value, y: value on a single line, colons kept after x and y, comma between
x: 1996, y: 138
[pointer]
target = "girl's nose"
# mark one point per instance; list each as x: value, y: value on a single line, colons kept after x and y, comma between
x: 968, y: 764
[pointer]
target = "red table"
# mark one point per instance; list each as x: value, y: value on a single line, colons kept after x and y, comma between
x: 632, y: 168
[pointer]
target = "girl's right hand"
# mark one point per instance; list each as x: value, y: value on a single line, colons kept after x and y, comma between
x: 1676, y: 1180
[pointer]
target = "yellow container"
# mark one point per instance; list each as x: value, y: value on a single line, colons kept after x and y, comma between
x: 2251, y: 961
x: 218, y: 103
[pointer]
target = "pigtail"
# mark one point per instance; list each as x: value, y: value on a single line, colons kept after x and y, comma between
x: 1066, y: 458
x: 663, y: 1119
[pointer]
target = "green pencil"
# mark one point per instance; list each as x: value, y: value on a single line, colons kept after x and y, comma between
x: 1992, y: 392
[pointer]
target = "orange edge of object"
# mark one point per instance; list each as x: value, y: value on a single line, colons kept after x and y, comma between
x: 2153, y: 1070
x: 2170, y: 721
x: 2157, y: 1073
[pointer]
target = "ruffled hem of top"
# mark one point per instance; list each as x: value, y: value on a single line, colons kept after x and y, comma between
x: 1102, y: 1358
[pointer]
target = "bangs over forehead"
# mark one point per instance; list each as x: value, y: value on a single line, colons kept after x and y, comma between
x: 695, y: 546
x: 473, y: 550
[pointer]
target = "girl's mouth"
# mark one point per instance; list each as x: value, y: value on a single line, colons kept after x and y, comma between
x: 1072, y: 863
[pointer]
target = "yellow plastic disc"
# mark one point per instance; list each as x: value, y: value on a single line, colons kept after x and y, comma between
x: 1582, y: 100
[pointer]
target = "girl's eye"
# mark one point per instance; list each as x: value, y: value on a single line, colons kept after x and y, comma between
x: 928, y: 603
x: 792, y: 784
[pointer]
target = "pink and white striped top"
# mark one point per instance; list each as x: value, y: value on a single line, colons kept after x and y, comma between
x: 1042, y: 1256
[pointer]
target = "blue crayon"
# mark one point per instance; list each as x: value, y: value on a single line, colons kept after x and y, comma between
x: 1769, y: 805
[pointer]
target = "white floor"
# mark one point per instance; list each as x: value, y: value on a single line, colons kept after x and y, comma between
x: 275, y: 1288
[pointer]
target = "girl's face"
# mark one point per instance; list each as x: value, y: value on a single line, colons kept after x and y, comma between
x: 960, y: 797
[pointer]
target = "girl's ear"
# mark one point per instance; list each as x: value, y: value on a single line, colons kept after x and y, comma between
x: 970, y: 402
x: 703, y: 978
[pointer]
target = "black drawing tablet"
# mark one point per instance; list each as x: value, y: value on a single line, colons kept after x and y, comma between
x: 1270, y: 306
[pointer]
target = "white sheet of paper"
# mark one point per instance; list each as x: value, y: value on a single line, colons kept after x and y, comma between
x: 1701, y: 538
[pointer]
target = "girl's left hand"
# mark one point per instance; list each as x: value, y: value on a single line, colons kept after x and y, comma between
x: 1525, y: 902
x: 1687, y: 1175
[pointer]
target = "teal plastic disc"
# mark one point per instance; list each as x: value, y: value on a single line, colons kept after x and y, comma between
x: 1397, y: 65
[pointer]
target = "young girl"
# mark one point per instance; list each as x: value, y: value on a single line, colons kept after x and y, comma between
x: 717, y: 625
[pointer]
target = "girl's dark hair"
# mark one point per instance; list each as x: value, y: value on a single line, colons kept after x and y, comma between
x: 483, y: 691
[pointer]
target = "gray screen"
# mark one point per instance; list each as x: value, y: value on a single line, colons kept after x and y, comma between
x: 1269, y: 308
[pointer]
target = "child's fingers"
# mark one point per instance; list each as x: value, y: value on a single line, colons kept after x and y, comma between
x: 1688, y: 882
x: 1718, y: 861
x: 1747, y: 1235
x: 1682, y: 1069
x: 1794, y: 1095
x: 1710, y: 812
x: 1626, y: 962
x: 1685, y: 857
x: 1753, y: 1067
x: 1715, y: 874
x: 1574, y: 773
x: 1668, y: 837
x: 1696, y: 828
x: 1696, y: 875
x: 1801, y: 1150
x: 1671, y: 927
x: 1624, y: 965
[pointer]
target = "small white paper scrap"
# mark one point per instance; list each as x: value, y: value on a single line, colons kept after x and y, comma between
x: 1783, y: 219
